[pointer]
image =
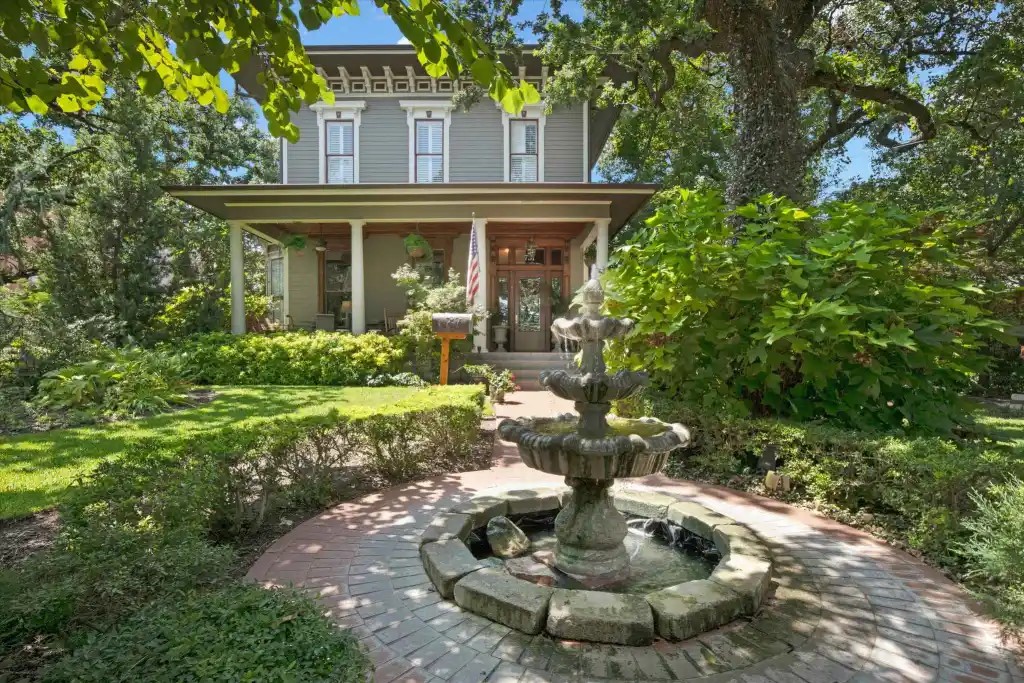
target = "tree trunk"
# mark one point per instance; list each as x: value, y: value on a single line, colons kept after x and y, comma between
x: 768, y: 153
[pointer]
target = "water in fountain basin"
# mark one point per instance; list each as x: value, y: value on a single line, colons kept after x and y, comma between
x: 653, y: 563
x: 617, y: 426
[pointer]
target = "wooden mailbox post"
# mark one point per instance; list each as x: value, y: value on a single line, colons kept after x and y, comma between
x: 448, y: 326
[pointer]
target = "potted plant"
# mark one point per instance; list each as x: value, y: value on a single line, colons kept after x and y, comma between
x: 416, y: 246
x: 498, y: 382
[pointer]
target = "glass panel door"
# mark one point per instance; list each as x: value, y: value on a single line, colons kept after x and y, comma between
x: 531, y: 313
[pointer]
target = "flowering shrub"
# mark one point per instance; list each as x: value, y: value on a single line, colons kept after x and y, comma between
x: 850, y: 312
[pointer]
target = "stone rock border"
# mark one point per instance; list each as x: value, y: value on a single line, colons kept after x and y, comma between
x: 735, y: 588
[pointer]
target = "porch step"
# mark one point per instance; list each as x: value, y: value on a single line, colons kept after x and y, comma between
x: 525, y: 366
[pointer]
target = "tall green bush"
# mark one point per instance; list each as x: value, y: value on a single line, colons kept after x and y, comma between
x: 306, y: 358
x: 200, y: 309
x: 851, y: 312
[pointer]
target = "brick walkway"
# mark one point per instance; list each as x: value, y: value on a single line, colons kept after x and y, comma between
x: 846, y: 607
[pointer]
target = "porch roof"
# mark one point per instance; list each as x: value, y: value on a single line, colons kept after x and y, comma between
x: 403, y: 202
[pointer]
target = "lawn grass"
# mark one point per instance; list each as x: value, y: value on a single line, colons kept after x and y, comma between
x: 37, y: 469
x: 1006, y: 428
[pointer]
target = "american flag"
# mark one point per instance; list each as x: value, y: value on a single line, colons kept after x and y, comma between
x: 473, y: 270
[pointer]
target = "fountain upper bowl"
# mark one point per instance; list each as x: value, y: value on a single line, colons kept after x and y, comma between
x: 593, y: 387
x: 635, y: 448
x: 586, y: 329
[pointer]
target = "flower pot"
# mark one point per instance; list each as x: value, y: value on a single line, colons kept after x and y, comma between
x: 416, y: 252
x: 497, y: 396
x: 500, y: 336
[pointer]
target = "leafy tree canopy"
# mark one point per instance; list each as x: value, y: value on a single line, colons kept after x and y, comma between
x: 67, y: 55
x: 800, y: 77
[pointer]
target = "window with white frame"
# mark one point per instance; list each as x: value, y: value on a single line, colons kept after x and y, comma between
x: 524, y: 144
x: 340, y: 151
x: 338, y: 126
x: 429, y: 151
x: 429, y: 123
x: 523, y: 150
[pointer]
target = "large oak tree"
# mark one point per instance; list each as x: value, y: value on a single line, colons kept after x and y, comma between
x: 801, y: 76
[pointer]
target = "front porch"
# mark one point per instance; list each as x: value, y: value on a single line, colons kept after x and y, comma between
x: 333, y: 249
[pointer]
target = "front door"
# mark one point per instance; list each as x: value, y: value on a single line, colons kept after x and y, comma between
x: 531, y: 310
x: 529, y: 286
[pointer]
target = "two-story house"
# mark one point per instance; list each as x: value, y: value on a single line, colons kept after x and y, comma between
x: 392, y: 157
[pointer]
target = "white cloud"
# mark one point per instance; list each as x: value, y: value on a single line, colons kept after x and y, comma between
x: 404, y: 41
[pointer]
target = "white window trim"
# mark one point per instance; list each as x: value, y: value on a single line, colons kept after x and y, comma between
x: 530, y: 111
x: 339, y: 111
x: 417, y: 109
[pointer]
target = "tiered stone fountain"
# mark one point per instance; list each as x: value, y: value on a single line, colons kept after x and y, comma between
x: 581, y: 586
x: 588, y: 451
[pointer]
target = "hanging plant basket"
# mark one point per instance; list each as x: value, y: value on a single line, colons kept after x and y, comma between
x: 416, y: 246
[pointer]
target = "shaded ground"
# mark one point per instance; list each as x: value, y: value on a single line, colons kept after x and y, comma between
x: 37, y: 469
x: 20, y: 538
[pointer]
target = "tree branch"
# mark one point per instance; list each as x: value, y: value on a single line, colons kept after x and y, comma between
x: 887, y: 96
x: 836, y: 127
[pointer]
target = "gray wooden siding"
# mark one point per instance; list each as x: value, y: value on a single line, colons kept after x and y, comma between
x: 303, y: 155
x: 383, y: 142
x: 563, y: 145
x: 476, y: 145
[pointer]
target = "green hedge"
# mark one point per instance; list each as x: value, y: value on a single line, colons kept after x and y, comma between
x: 317, y: 358
x: 162, y: 521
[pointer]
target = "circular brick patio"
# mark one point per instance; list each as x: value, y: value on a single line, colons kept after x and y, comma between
x: 843, y: 607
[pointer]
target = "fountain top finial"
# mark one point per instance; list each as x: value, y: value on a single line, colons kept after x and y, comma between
x: 592, y: 294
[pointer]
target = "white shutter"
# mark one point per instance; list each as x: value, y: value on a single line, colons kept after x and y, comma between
x: 524, y: 169
x: 340, y: 137
x: 429, y: 137
x: 524, y: 137
x: 340, y: 170
x: 429, y: 169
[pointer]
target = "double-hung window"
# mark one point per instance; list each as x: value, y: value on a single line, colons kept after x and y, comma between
x: 429, y: 151
x: 523, y: 150
x: 340, y: 151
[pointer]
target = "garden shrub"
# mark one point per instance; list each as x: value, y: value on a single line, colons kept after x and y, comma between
x: 231, y: 481
x: 994, y: 554
x: 849, y: 312
x: 297, y: 358
x: 200, y: 309
x: 235, y: 633
x: 424, y: 298
x: 117, y: 383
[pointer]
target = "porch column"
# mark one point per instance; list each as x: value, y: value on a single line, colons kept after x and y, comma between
x: 602, y: 225
x: 480, y: 301
x: 358, y: 281
x: 237, y: 279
